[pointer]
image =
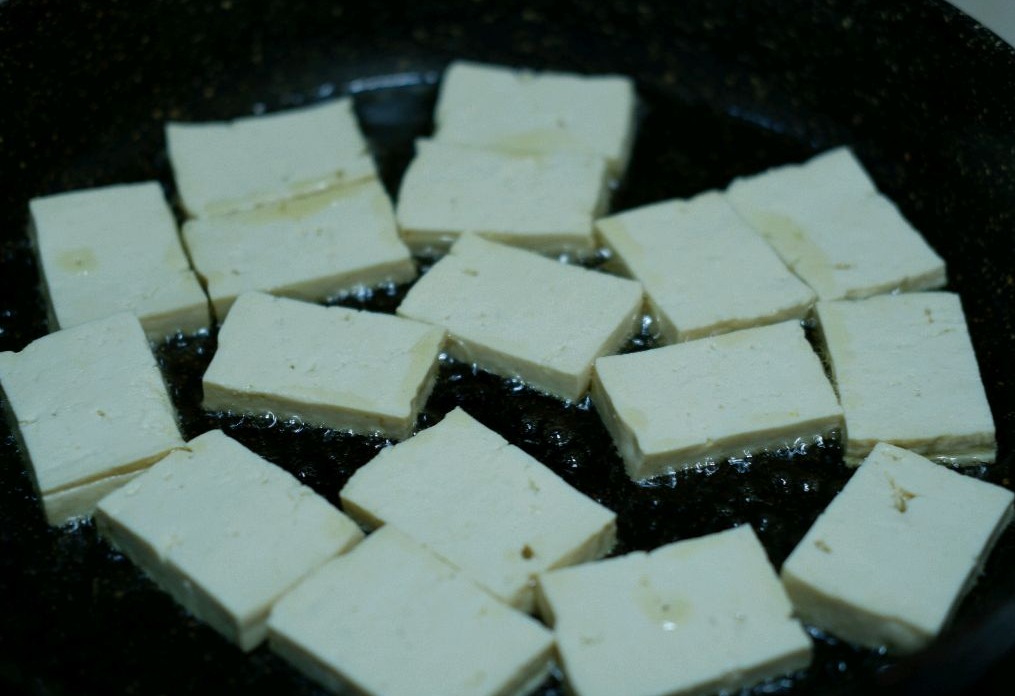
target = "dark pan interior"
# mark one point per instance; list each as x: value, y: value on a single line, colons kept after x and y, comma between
x: 924, y: 95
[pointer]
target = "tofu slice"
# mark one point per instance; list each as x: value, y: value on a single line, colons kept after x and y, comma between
x: 227, y: 166
x: 224, y: 532
x: 685, y: 253
x: 545, y: 202
x: 671, y: 408
x: 115, y: 249
x: 328, y: 366
x: 906, y: 374
x: 392, y: 619
x: 695, y: 617
x: 482, y: 504
x: 516, y: 314
x: 523, y: 111
x: 888, y: 561
x: 834, y: 230
x: 91, y: 411
x: 310, y: 248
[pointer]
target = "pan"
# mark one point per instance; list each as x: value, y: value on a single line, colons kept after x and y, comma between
x: 923, y: 94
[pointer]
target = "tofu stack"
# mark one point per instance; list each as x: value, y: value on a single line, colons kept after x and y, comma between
x: 287, y: 203
x: 518, y: 157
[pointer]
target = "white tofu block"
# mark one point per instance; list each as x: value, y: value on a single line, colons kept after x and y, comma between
x: 704, y: 270
x: 906, y: 374
x: 225, y: 532
x: 888, y: 561
x: 91, y: 411
x: 695, y: 617
x: 514, y: 313
x: 227, y: 166
x: 116, y: 249
x: 327, y: 366
x: 546, y: 203
x: 309, y: 248
x: 482, y: 504
x: 834, y: 230
x: 519, y: 110
x: 393, y: 619
x: 671, y: 408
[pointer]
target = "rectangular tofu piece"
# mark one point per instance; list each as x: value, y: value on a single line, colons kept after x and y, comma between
x: 906, y: 374
x: 524, y: 111
x: 91, y: 411
x: 694, y: 617
x: 834, y: 230
x: 517, y: 314
x: 888, y: 561
x: 695, y: 258
x: 482, y: 504
x: 116, y: 249
x: 224, y: 532
x: 671, y: 408
x: 546, y: 202
x: 227, y: 166
x: 328, y: 366
x: 391, y: 618
x: 310, y: 248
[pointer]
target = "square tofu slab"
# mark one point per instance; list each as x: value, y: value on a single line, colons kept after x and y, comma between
x: 225, y: 532
x: 91, y: 411
x: 514, y: 313
x: 393, y: 619
x: 704, y: 270
x: 328, y: 366
x: 310, y: 248
x: 834, y: 230
x: 671, y: 408
x: 482, y: 504
x: 906, y: 374
x: 116, y: 249
x: 223, y: 167
x: 542, y: 202
x: 888, y: 561
x: 694, y: 617
x: 518, y: 110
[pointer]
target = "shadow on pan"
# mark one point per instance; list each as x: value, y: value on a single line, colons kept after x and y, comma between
x: 924, y: 95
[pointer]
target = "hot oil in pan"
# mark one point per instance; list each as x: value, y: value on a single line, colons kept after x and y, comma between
x: 89, y: 622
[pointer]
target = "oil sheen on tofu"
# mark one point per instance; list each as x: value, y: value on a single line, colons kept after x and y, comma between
x: 309, y: 248
x: 907, y: 374
x: 834, y: 229
x: 116, y: 249
x: 91, y: 411
x: 391, y: 618
x: 493, y: 301
x: 888, y: 561
x: 695, y: 258
x: 523, y: 111
x: 225, y: 532
x: 484, y: 505
x: 544, y: 202
x: 333, y: 367
x: 671, y: 408
x: 690, y: 618
x: 229, y: 166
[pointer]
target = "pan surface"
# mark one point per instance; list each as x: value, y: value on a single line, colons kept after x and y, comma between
x: 923, y: 94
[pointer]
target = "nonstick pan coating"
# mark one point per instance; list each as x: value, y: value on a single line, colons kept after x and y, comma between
x: 924, y: 95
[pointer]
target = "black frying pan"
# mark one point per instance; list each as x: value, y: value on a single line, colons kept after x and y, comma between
x: 924, y: 95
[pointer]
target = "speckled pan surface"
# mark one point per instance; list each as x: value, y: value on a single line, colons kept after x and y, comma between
x: 926, y: 97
